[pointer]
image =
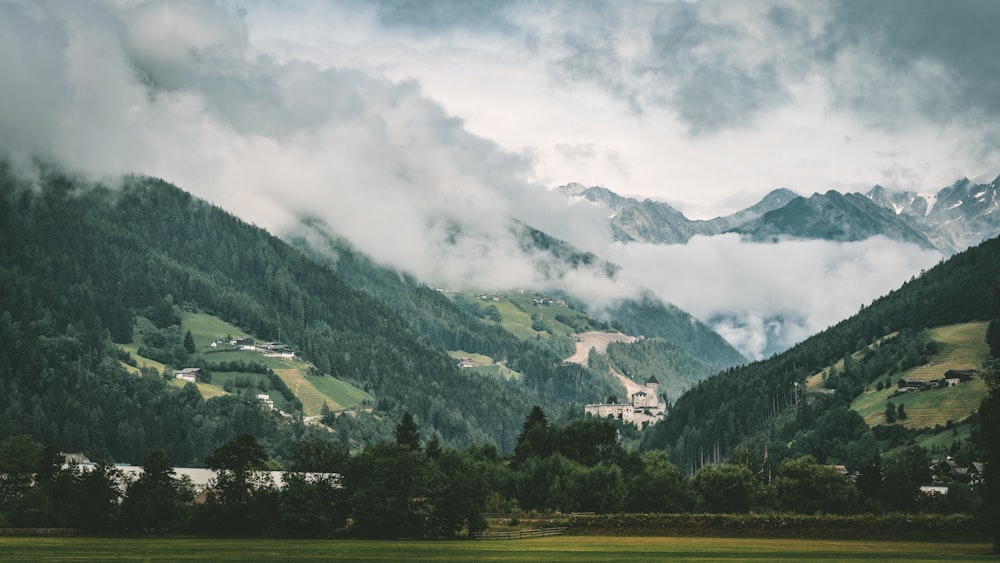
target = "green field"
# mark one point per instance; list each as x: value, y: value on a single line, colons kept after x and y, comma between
x: 312, y: 391
x: 485, y: 365
x: 560, y: 548
x: 336, y: 393
x: 207, y: 328
x: 517, y: 310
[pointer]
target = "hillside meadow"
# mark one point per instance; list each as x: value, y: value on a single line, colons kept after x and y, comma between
x: 961, y: 346
x: 560, y: 548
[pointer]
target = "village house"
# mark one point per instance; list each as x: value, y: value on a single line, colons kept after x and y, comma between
x: 267, y: 400
x: 242, y: 343
x: 187, y: 374
x: 278, y: 350
x: 962, y: 375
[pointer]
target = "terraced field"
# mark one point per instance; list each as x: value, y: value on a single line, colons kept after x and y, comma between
x: 962, y: 347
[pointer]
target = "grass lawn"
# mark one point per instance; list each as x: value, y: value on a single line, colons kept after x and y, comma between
x: 560, y: 548
x: 485, y: 365
x: 207, y: 328
x: 336, y: 393
x: 207, y: 390
x: 143, y: 362
x: 518, y: 309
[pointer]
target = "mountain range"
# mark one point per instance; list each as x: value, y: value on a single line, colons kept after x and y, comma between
x: 954, y: 218
x: 92, y: 271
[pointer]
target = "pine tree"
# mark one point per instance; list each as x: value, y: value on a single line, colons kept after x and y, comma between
x: 433, y: 448
x: 407, y: 432
x: 189, y: 343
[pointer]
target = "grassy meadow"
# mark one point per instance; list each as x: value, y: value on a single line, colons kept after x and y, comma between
x: 962, y: 346
x: 312, y: 390
x: 559, y: 548
x: 517, y: 310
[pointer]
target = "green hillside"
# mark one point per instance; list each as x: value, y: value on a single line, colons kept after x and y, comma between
x: 962, y: 347
x: 211, y: 336
x: 763, y: 404
x: 98, y: 278
x: 460, y: 320
x: 528, y: 314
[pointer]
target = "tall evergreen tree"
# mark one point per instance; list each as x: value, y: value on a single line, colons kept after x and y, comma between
x: 407, y: 432
x: 189, y: 343
x: 533, y: 439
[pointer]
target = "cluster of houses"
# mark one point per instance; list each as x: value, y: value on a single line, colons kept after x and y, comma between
x: 645, y: 407
x: 271, y: 349
x: 948, y: 469
x: 951, y: 378
x: 541, y: 300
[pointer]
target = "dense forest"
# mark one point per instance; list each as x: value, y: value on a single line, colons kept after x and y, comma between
x: 83, y: 262
x: 762, y: 401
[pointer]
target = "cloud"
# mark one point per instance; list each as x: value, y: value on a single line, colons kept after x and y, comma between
x: 379, y: 118
x: 173, y: 90
x: 766, y: 297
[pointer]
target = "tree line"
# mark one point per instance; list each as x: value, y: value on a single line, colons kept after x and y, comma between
x: 414, y: 487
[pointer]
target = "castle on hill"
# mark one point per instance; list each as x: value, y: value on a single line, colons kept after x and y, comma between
x: 645, y: 407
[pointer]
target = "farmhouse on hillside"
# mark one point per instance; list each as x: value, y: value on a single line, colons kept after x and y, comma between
x: 187, y: 374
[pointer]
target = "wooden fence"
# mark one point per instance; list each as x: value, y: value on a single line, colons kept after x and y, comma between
x: 521, y: 534
x: 48, y: 532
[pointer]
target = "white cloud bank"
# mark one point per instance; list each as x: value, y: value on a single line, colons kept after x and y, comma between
x: 765, y: 297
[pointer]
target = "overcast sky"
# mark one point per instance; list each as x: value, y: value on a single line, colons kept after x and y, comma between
x: 402, y: 123
x: 707, y: 105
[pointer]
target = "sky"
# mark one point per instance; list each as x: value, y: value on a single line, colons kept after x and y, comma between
x: 402, y: 123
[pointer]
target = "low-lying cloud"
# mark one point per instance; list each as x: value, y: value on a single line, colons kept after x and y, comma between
x: 765, y: 297
x: 172, y: 89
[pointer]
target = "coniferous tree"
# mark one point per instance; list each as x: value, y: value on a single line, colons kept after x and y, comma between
x: 407, y: 432
x: 189, y: 343
x: 433, y: 448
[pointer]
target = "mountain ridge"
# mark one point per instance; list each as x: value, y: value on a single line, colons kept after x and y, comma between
x: 950, y: 220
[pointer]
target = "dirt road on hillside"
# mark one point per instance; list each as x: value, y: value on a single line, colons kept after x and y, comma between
x: 598, y: 340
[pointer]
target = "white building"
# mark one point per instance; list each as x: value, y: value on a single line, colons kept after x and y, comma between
x: 645, y: 407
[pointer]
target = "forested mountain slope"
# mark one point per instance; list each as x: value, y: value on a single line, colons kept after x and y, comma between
x: 710, y: 420
x: 446, y: 325
x: 81, y: 260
